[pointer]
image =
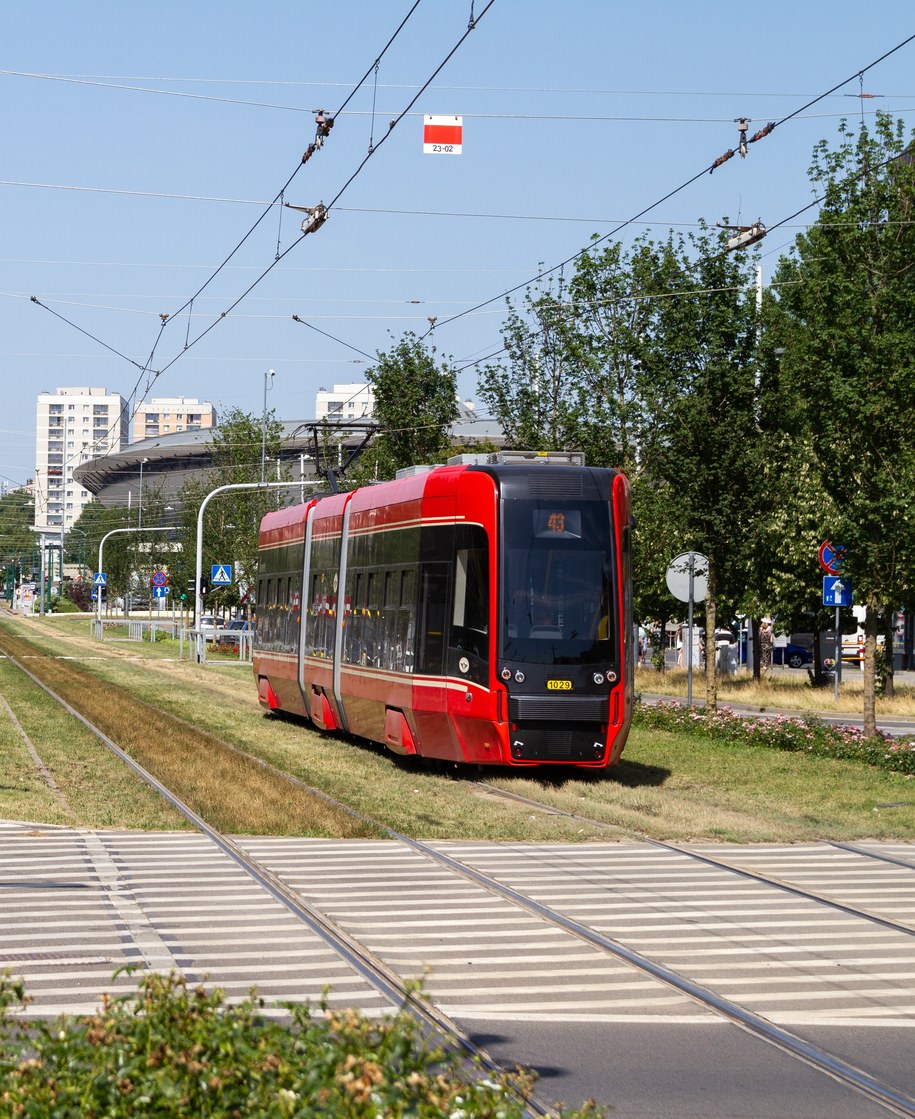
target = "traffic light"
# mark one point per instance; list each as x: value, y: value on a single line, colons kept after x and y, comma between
x: 191, y: 585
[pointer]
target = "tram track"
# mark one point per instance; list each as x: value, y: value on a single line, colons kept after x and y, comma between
x: 386, y: 980
x: 363, y: 962
x: 733, y: 868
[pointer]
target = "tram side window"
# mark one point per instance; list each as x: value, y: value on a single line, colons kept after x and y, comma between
x: 433, y: 601
x: 322, y: 597
x: 352, y: 639
x: 468, y: 641
x: 471, y: 598
x: 406, y: 621
x: 320, y: 618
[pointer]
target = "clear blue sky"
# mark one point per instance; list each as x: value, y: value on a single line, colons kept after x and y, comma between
x: 119, y: 201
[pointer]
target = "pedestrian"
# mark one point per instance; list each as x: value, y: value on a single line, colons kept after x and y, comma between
x: 765, y: 646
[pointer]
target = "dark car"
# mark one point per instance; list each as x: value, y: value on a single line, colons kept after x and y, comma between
x: 230, y: 635
x: 794, y: 656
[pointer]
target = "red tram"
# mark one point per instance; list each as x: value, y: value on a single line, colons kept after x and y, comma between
x: 477, y: 612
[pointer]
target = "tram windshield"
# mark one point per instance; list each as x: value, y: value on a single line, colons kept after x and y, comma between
x: 557, y: 606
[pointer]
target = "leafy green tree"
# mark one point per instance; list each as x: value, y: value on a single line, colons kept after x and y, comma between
x: 702, y: 449
x: 848, y: 297
x: 18, y: 544
x: 537, y: 395
x: 415, y: 406
x: 119, y: 555
x: 231, y: 520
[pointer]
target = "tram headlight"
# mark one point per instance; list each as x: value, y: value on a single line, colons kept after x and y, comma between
x: 598, y: 677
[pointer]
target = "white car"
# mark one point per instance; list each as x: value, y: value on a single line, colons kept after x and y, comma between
x: 209, y: 625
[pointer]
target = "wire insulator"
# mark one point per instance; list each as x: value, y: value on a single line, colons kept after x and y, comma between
x: 762, y: 132
x: 722, y: 159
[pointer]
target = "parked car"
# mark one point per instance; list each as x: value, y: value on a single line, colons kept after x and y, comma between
x: 209, y: 625
x: 230, y: 634
x: 794, y: 656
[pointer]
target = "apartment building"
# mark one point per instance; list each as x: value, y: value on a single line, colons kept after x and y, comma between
x: 166, y: 415
x: 346, y: 402
x: 72, y: 426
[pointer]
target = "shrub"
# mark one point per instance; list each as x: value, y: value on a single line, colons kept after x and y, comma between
x: 170, y: 1050
x: 803, y: 734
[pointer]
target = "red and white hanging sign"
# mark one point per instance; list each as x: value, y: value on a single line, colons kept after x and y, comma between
x: 443, y: 135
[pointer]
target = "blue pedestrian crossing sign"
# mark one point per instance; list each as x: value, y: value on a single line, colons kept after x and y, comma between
x: 837, y: 591
x: 100, y: 580
x: 221, y: 574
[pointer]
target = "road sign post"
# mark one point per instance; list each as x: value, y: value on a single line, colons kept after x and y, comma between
x: 837, y: 592
x: 221, y: 574
x: 687, y: 580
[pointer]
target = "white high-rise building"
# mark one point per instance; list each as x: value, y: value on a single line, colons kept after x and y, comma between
x: 72, y: 426
x: 346, y: 402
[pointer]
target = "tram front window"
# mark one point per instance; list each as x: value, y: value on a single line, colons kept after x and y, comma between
x: 556, y: 598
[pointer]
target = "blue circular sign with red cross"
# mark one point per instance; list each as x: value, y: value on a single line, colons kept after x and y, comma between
x: 831, y: 556
x: 159, y: 579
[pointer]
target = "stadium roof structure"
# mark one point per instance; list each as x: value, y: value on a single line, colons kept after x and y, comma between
x: 171, y: 461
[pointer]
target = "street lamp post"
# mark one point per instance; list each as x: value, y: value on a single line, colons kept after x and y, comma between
x: 268, y: 382
x: 140, y: 509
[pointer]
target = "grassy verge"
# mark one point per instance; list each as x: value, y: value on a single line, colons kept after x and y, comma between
x: 670, y: 784
x: 780, y: 689
x: 96, y: 790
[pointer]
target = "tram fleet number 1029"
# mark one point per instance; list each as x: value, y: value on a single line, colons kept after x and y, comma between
x: 478, y: 612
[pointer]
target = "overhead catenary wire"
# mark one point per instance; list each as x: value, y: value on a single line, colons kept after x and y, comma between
x: 111, y: 82
x: 441, y: 322
x: 339, y: 193
x: 670, y: 194
x: 218, y: 269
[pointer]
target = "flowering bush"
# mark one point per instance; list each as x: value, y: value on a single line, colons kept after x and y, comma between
x: 173, y: 1051
x: 779, y: 732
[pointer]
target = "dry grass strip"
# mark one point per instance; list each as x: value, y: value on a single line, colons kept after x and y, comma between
x: 233, y: 793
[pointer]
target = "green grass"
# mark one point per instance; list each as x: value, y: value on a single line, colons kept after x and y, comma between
x: 669, y: 785
x: 96, y: 789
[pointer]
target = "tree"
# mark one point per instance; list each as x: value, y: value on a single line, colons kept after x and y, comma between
x: 536, y: 396
x: 571, y: 378
x: 415, y: 406
x: 649, y: 364
x: 702, y: 449
x: 232, y: 520
x: 848, y: 297
x: 18, y: 544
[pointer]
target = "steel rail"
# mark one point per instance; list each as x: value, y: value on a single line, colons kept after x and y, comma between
x: 881, y: 856
x: 373, y: 970
x: 754, y: 1024
x: 732, y: 868
x: 757, y: 1026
